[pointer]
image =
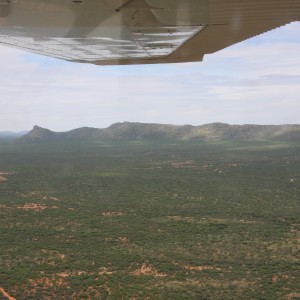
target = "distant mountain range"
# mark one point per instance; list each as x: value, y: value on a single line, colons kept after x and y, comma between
x: 140, y: 131
x: 11, y: 134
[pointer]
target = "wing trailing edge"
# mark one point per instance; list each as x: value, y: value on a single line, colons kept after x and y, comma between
x: 104, y: 32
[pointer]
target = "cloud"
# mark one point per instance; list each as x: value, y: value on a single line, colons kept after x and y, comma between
x: 256, y: 81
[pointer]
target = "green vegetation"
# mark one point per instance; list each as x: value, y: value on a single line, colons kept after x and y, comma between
x: 150, y: 220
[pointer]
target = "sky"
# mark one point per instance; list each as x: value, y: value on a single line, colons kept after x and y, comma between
x: 253, y: 82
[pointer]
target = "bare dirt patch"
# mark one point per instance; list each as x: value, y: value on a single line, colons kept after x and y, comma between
x: 112, y: 213
x: 218, y: 170
x: 147, y: 269
x: 54, y: 254
x: 29, y: 194
x: 48, y: 282
x: 50, y: 198
x: 7, y: 172
x: 105, y: 271
x: 64, y: 274
x: 69, y: 274
x: 40, y: 195
x: 201, y: 268
x: 3, y: 178
x: 197, y: 268
x: 5, y: 294
x: 234, y: 165
x: 102, y: 271
x: 123, y: 239
x: 293, y: 296
x: 35, y: 207
x: 184, y: 164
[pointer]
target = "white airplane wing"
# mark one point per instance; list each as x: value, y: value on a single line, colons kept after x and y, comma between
x: 137, y: 31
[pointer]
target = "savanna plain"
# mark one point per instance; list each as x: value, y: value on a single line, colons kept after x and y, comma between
x: 150, y: 220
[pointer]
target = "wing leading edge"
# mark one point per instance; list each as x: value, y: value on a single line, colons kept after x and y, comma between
x: 137, y: 31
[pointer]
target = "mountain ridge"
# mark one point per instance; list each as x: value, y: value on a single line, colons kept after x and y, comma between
x: 132, y: 131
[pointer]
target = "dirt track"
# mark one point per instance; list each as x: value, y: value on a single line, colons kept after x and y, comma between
x: 6, y: 295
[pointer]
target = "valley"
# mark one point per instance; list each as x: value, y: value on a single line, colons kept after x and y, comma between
x: 150, y: 219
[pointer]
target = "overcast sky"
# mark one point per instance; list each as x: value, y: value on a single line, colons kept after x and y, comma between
x: 257, y: 81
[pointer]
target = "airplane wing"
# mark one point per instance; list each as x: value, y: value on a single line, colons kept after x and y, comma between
x: 105, y: 32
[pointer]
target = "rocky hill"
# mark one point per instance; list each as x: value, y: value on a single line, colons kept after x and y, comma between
x: 39, y: 134
x: 140, y: 131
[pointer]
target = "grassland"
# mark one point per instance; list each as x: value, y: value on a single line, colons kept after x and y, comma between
x: 146, y: 220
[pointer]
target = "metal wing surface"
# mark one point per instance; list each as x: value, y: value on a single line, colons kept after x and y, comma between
x: 137, y: 31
